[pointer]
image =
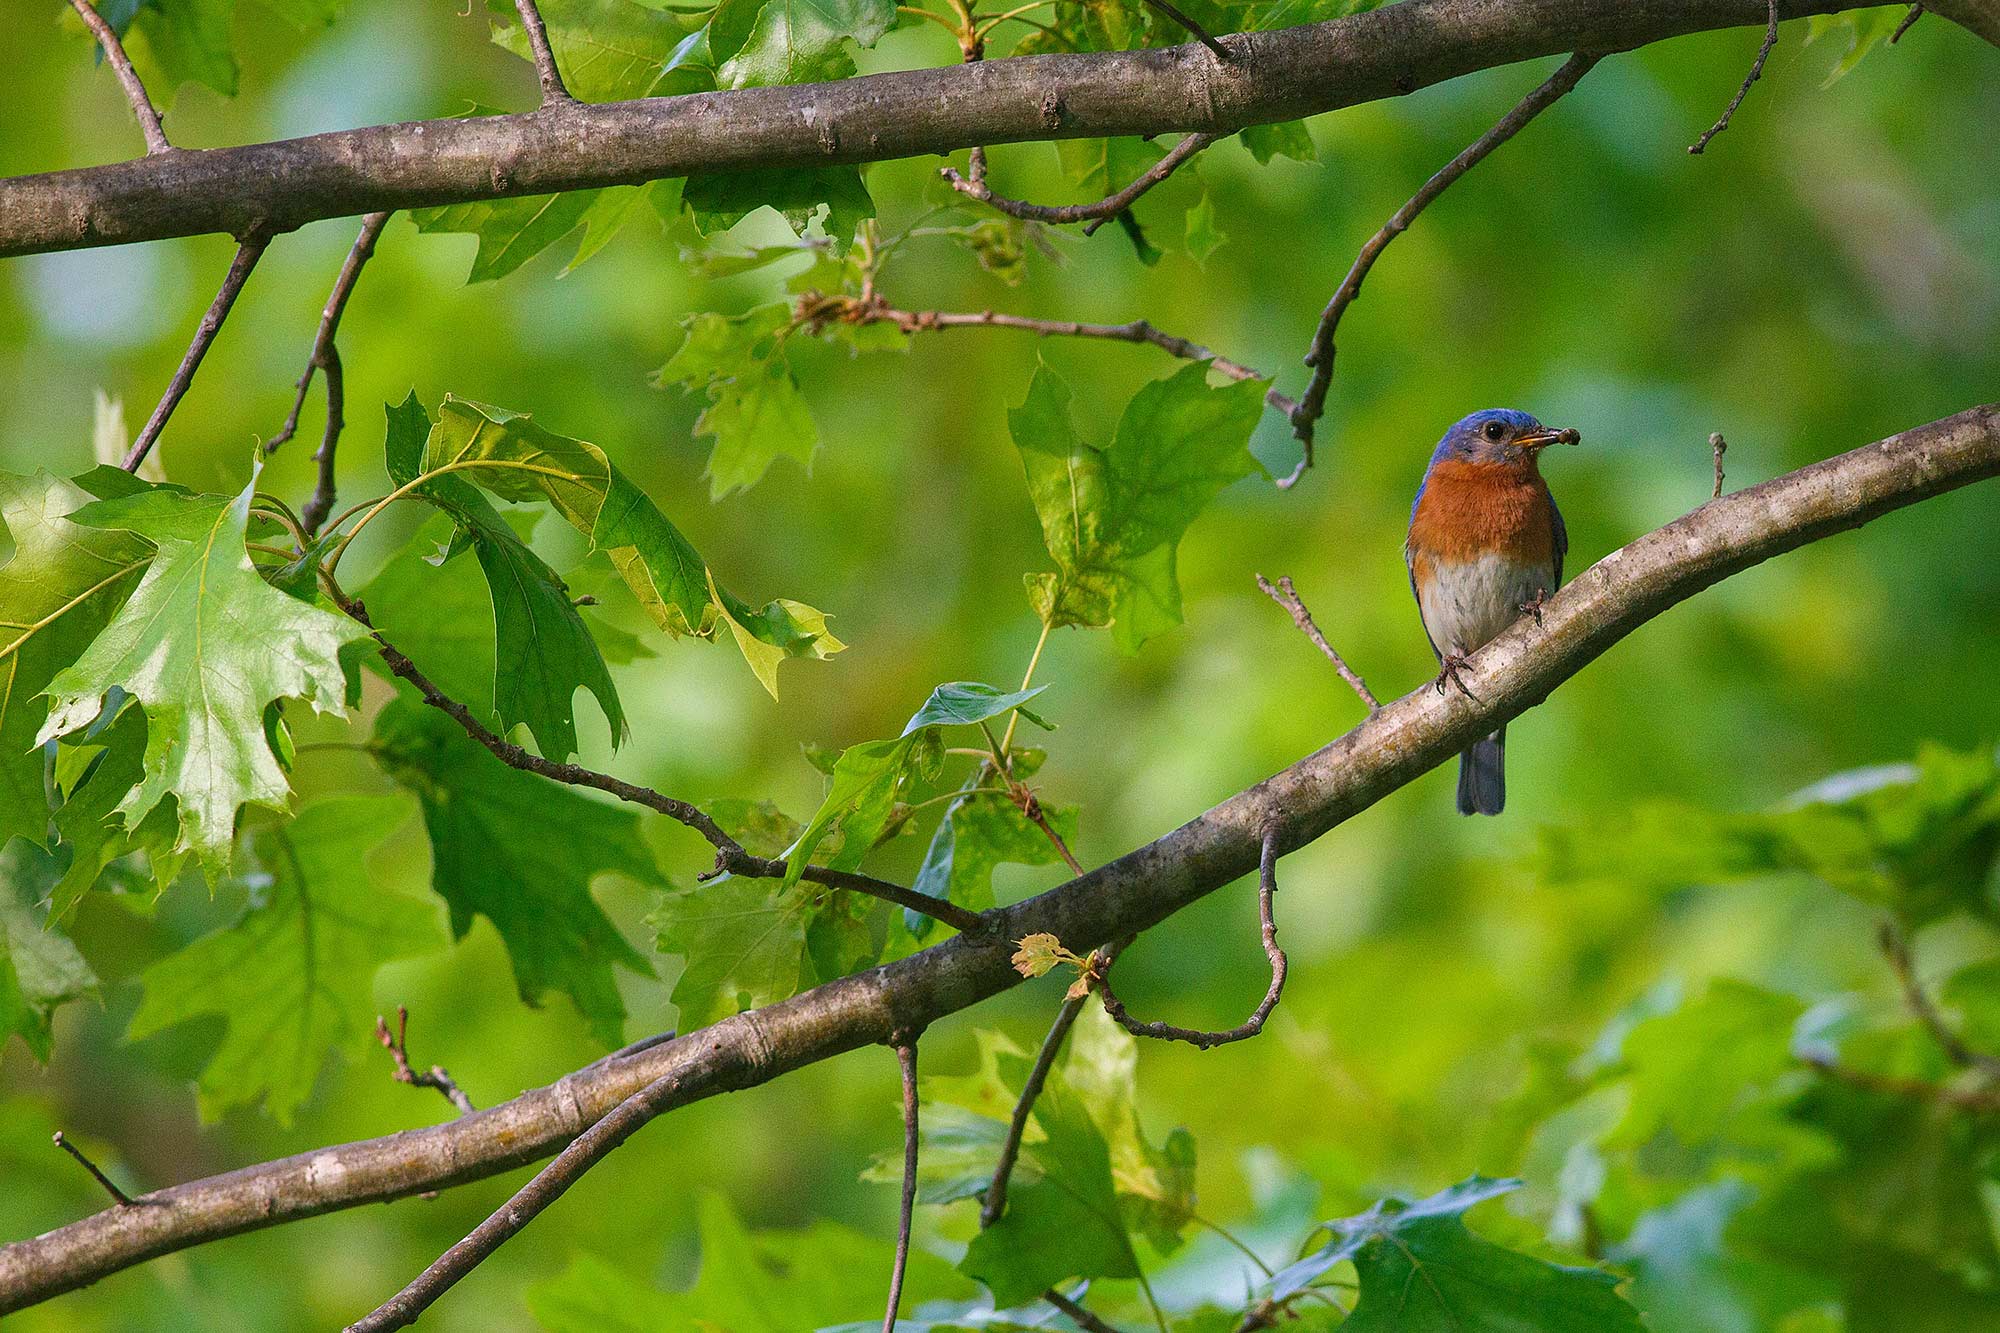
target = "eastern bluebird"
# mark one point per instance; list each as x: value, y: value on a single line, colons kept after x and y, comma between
x: 1486, y: 543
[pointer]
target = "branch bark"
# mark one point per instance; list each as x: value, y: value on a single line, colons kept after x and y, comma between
x: 1276, y: 76
x: 1407, y: 738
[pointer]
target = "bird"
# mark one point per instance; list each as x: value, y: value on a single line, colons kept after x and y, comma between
x: 1485, y: 546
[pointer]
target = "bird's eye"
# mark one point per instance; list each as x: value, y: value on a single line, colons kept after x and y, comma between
x: 1494, y: 430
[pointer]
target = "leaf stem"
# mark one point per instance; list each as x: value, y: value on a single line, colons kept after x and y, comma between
x: 1027, y: 679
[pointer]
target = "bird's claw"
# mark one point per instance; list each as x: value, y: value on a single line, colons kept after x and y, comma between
x: 1534, y: 608
x: 1448, y: 669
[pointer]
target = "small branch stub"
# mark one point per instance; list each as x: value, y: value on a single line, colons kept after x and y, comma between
x: 399, y: 1051
x: 110, y: 1186
x: 1718, y: 447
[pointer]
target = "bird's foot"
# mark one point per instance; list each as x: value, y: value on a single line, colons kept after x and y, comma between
x: 1534, y: 608
x: 1448, y: 669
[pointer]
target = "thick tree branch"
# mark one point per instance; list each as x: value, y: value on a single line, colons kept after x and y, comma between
x: 1407, y: 738
x: 248, y: 252
x: 1096, y: 214
x: 326, y: 356
x: 1267, y: 889
x: 128, y: 78
x: 1313, y: 402
x: 1277, y: 76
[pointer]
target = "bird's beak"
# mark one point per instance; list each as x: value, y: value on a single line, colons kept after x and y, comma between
x: 1542, y: 439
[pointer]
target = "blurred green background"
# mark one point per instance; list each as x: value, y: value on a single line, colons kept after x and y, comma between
x: 1826, y: 274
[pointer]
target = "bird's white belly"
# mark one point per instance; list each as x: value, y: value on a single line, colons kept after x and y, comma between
x: 1466, y: 605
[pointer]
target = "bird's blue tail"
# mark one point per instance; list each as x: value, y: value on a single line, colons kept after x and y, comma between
x: 1482, y: 776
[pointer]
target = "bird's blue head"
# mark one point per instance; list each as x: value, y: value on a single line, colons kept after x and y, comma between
x: 1499, y: 435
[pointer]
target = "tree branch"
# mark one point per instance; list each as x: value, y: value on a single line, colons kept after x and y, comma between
x: 1896, y: 950
x: 906, y: 1061
x: 326, y: 356
x: 1267, y: 888
x: 1313, y: 402
x: 128, y: 78
x: 123, y: 1199
x: 731, y: 857
x: 397, y: 1044
x: 1407, y: 738
x: 1096, y: 214
x: 1743, y: 91
x: 248, y: 252
x: 554, y: 93
x: 1280, y: 75
x: 1289, y: 599
x: 815, y: 309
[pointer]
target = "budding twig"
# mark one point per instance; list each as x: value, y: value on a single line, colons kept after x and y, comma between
x: 973, y: 185
x: 128, y: 78
x: 399, y: 1051
x: 111, y: 1186
x: 1313, y: 403
x: 1287, y: 596
x: 1756, y: 70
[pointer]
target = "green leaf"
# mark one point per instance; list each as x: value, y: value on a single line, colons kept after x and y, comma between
x: 1287, y: 138
x: 804, y: 41
x: 537, y: 631
x: 1113, y: 518
x: 720, y: 200
x: 744, y: 942
x: 977, y: 834
x: 60, y: 587
x: 1689, y: 1278
x: 1421, y: 1271
x: 1694, y: 1071
x: 293, y: 979
x: 1063, y: 1218
x: 1204, y: 238
x: 1155, y: 1181
x: 607, y: 50
x: 522, y: 851
x: 769, y: 1282
x: 87, y: 823
x: 39, y: 968
x: 172, y: 42
x: 1865, y: 29
x: 673, y: 583
x: 513, y: 231
x: 206, y: 646
x: 867, y: 777
x: 756, y: 414
x: 1100, y: 168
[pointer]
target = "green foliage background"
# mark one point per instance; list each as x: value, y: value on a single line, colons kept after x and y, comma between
x: 1828, y: 273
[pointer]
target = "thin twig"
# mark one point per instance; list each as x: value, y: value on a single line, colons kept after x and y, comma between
x: 994, y: 1202
x: 247, y: 254
x: 399, y: 1051
x: 906, y: 1060
x: 121, y: 65
x: 1320, y: 357
x: 1717, y: 446
x: 816, y: 310
x: 1916, y: 12
x: 1896, y: 949
x: 1756, y: 70
x: 1267, y: 888
x: 111, y: 1186
x: 730, y: 856
x: 973, y: 185
x: 326, y: 356
x: 1975, y: 1101
x: 1194, y: 30
x: 1287, y: 596
x: 554, y: 93
x: 1079, y: 1316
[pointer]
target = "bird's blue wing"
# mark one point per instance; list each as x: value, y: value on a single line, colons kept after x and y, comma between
x: 1562, y: 538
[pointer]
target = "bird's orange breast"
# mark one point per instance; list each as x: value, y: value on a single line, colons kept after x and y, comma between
x: 1469, y: 510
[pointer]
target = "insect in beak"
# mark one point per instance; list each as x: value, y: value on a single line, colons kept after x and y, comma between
x: 1542, y: 439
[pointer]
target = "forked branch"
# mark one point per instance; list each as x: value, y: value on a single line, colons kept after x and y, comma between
x: 554, y: 92
x: 973, y: 185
